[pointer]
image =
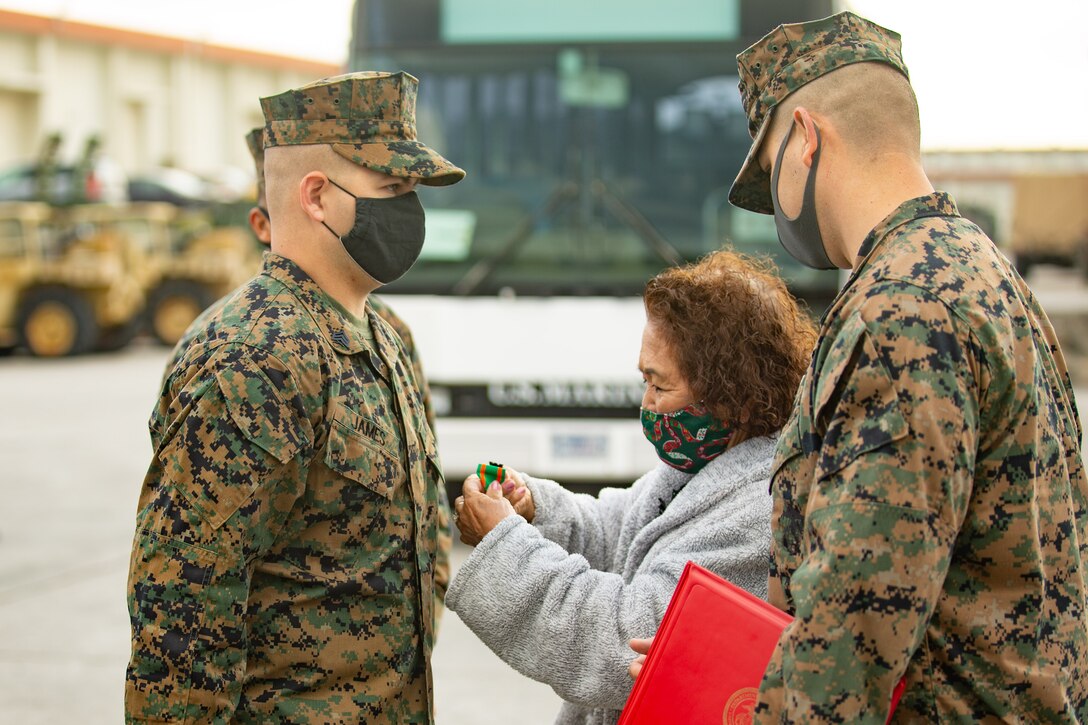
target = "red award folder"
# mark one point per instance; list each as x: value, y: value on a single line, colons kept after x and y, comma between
x: 708, y: 655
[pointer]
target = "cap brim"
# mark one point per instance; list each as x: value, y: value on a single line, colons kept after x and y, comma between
x: 751, y: 189
x: 407, y: 159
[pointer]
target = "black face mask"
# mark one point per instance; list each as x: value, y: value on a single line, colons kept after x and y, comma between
x: 801, y: 235
x: 387, y: 236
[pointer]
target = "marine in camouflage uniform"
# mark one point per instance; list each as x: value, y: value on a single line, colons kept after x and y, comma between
x: 931, y: 506
x: 283, y: 568
x: 255, y: 144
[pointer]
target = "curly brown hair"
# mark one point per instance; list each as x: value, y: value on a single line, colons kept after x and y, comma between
x: 740, y: 338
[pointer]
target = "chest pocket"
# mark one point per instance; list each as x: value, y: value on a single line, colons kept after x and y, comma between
x: 363, y: 450
x: 430, y: 451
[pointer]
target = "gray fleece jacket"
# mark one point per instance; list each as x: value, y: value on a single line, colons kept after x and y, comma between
x: 558, y: 599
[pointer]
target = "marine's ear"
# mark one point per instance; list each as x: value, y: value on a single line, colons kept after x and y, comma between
x: 803, y: 119
x: 260, y: 224
x: 310, y: 190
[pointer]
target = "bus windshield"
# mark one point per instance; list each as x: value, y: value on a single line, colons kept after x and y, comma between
x: 600, y: 140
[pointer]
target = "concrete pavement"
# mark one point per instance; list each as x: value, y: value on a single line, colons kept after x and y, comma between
x: 73, y: 449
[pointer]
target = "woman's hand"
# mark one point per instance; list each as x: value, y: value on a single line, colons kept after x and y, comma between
x: 641, y: 648
x: 476, y: 512
x: 518, y: 494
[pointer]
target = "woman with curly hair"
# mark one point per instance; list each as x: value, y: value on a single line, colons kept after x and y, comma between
x: 560, y: 582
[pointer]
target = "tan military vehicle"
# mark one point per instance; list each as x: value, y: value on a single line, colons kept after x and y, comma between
x: 204, y: 264
x: 64, y: 289
x: 180, y: 261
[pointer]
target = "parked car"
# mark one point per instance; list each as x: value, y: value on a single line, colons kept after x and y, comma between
x: 106, y: 183
x: 176, y: 186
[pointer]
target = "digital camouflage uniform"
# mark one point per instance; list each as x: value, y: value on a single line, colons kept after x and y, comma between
x: 255, y: 144
x: 400, y: 327
x: 283, y: 568
x: 931, y: 505
x: 384, y: 311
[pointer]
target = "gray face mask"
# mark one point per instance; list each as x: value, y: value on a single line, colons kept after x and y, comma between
x: 801, y: 235
x: 387, y: 236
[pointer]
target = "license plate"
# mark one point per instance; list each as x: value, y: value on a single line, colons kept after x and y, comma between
x: 579, y: 446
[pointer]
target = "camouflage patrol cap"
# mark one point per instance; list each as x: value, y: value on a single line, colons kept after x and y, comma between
x: 369, y: 118
x: 255, y: 142
x: 784, y: 60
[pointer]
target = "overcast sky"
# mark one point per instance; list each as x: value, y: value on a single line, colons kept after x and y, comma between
x: 988, y: 73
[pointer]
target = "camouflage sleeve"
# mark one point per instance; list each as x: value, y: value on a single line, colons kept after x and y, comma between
x: 897, y: 402
x: 442, y: 558
x: 228, y: 471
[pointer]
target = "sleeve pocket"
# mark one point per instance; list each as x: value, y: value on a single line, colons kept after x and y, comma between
x: 166, y: 610
x: 235, y: 437
x: 788, y: 446
x: 357, y: 450
x: 430, y: 451
x: 864, y: 413
x: 260, y: 413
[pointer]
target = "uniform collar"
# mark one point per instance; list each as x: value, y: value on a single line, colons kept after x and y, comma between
x: 938, y: 203
x: 342, y: 334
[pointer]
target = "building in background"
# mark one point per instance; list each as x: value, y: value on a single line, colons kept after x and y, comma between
x: 152, y: 100
x: 1034, y: 204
